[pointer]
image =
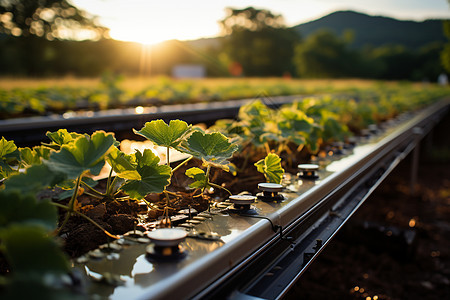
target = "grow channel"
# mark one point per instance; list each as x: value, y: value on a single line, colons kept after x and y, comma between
x: 260, y: 247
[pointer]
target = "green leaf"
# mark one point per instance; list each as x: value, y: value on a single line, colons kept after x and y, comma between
x: 256, y: 119
x: 84, y: 154
x: 212, y: 148
x: 42, y: 151
x: 9, y: 155
x: 5, y: 170
x: 314, y: 139
x: 6, y: 147
x: 38, y: 287
x: 16, y: 207
x: 255, y: 112
x: 294, y: 125
x: 124, y: 165
x: 62, y: 137
x: 29, y: 249
x: 333, y: 130
x: 270, y: 166
x: 36, y: 178
x: 154, y: 177
x: 29, y: 157
x: 199, y: 176
x: 164, y: 135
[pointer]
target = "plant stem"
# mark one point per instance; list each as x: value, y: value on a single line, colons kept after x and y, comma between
x: 266, y: 145
x: 167, y: 156
x: 219, y: 187
x: 122, y: 198
x: 92, y: 189
x: 108, y: 182
x: 109, y: 191
x: 182, y: 163
x: 71, y: 203
x: 87, y: 218
x: 167, y: 197
x: 207, y: 182
x: 93, y: 195
x: 208, y: 170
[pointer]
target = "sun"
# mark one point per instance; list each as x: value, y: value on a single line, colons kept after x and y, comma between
x: 144, y: 37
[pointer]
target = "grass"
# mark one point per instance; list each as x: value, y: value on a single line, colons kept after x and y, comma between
x: 135, y: 84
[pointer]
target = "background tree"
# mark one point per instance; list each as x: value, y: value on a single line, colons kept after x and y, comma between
x: 445, y: 54
x: 324, y: 55
x: 49, y: 19
x: 259, y: 42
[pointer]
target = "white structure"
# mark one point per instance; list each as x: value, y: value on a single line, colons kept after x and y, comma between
x: 188, y: 71
x: 443, y: 79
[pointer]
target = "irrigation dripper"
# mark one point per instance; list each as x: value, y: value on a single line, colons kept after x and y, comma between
x: 270, y: 192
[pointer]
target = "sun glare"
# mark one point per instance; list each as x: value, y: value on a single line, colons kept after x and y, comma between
x: 148, y: 38
x: 153, y: 23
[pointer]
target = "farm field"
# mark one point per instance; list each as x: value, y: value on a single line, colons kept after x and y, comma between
x: 28, y: 97
x: 144, y: 192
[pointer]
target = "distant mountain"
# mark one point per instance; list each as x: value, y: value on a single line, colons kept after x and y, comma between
x: 376, y: 30
x: 205, y: 43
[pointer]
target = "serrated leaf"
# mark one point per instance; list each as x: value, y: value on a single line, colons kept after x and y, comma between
x: 314, y: 139
x: 255, y: 112
x: 154, y: 177
x: 9, y: 155
x: 29, y: 157
x: 84, y: 154
x: 16, y: 208
x: 6, y: 147
x: 270, y: 166
x: 212, y: 148
x: 162, y: 134
x: 199, y: 176
x: 5, y: 170
x: 62, y: 137
x: 124, y: 165
x: 294, y: 126
x: 333, y: 130
x: 36, y: 178
x: 256, y: 119
x: 43, y: 152
x: 45, y: 255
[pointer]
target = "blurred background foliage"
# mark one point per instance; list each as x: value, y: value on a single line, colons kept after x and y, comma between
x: 54, y: 38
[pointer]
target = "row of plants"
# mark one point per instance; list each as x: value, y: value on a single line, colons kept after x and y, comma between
x: 111, y: 93
x: 29, y: 222
x: 220, y: 161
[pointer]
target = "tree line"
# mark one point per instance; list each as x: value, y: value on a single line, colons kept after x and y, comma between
x: 256, y: 42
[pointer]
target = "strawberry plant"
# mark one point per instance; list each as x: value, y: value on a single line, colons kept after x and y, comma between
x: 34, y: 257
x: 168, y: 136
x: 270, y: 166
x: 28, y: 221
x: 76, y: 157
x: 214, y: 150
x: 165, y: 135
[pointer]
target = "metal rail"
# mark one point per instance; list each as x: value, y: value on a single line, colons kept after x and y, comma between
x: 270, y: 274
x: 261, y: 256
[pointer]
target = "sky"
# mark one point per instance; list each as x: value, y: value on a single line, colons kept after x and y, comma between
x: 153, y: 21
